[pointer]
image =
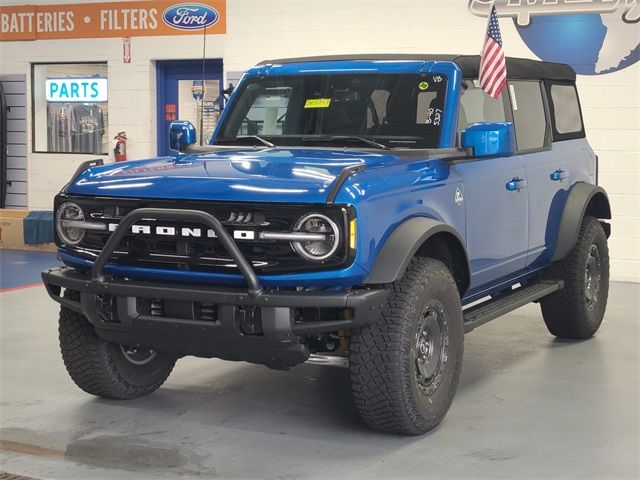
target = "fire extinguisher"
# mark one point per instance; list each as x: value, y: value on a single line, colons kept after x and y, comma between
x: 120, y: 149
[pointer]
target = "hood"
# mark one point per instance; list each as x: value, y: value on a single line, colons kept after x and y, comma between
x: 269, y: 175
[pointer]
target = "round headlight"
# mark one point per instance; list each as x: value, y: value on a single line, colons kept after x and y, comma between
x: 68, y: 234
x: 317, y: 250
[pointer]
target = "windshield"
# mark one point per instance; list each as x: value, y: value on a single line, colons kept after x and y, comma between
x: 391, y: 110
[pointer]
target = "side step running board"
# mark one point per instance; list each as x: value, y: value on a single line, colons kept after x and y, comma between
x: 507, y: 302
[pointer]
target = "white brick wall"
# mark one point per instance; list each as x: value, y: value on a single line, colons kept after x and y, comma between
x: 259, y: 30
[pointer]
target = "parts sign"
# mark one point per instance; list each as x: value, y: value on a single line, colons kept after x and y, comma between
x: 92, y: 90
x: 118, y: 19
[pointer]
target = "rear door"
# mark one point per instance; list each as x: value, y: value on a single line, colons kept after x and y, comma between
x: 549, y: 166
x: 539, y: 158
x: 496, y: 216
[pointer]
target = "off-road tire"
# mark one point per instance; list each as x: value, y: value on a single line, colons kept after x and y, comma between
x: 382, y: 358
x: 101, y: 368
x: 568, y: 312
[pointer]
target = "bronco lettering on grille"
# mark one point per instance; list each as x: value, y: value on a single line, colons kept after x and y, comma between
x: 195, y: 232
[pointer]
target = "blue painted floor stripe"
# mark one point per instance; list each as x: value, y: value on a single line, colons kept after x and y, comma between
x: 19, y: 268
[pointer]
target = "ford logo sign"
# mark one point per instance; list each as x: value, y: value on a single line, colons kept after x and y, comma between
x: 190, y: 16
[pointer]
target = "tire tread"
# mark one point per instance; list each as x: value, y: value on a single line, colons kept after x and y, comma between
x: 378, y: 376
x: 89, y: 361
x: 564, y: 311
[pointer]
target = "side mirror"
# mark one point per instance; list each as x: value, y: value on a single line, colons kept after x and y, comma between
x: 181, y: 135
x: 489, y: 139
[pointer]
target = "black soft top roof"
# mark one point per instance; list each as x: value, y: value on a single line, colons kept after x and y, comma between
x: 517, y: 68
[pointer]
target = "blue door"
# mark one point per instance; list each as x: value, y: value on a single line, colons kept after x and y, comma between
x: 495, y: 197
x: 550, y: 174
x: 496, y: 203
x: 186, y: 92
x: 551, y: 167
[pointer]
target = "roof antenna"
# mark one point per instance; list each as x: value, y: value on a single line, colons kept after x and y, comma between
x: 204, y: 53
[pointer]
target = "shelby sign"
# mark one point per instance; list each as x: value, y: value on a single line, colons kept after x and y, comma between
x: 595, y: 37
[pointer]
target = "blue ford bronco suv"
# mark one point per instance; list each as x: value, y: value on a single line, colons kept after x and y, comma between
x: 371, y: 207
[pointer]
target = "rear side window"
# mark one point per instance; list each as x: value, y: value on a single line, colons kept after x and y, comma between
x: 565, y: 112
x: 528, y: 114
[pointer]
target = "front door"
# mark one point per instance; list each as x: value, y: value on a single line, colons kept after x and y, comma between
x: 185, y: 93
x: 496, y: 203
x: 495, y: 197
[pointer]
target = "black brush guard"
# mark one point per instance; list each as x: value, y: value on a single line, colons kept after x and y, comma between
x: 278, y: 343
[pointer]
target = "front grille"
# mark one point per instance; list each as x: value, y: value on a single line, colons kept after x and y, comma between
x: 206, y: 254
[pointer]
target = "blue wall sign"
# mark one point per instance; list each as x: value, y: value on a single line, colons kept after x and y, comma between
x: 190, y: 16
x: 92, y: 90
x: 594, y: 37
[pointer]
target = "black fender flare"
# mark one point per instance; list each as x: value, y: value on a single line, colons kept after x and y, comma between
x: 403, y: 244
x: 582, y: 196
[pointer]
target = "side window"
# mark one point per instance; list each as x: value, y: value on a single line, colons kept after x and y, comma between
x: 476, y: 106
x: 528, y: 114
x: 565, y: 110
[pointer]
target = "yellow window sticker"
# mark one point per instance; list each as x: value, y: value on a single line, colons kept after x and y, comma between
x: 317, y: 103
x: 423, y: 85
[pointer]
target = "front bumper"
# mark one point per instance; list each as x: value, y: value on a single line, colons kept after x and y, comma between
x: 249, y: 323
x: 278, y: 344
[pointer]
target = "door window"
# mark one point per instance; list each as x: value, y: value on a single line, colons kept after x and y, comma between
x: 528, y: 114
x: 476, y: 106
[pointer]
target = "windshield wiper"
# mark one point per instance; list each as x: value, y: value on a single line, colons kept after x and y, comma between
x: 256, y: 138
x: 346, y: 138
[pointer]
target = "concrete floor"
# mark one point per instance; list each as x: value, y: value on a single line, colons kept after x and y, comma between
x: 528, y: 406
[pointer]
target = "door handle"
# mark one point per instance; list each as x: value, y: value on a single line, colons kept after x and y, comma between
x: 516, y: 184
x: 558, y: 175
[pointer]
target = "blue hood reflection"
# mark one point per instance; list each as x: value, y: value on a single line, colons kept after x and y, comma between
x: 267, y: 175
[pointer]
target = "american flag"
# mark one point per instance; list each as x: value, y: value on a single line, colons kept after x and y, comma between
x: 493, y: 68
